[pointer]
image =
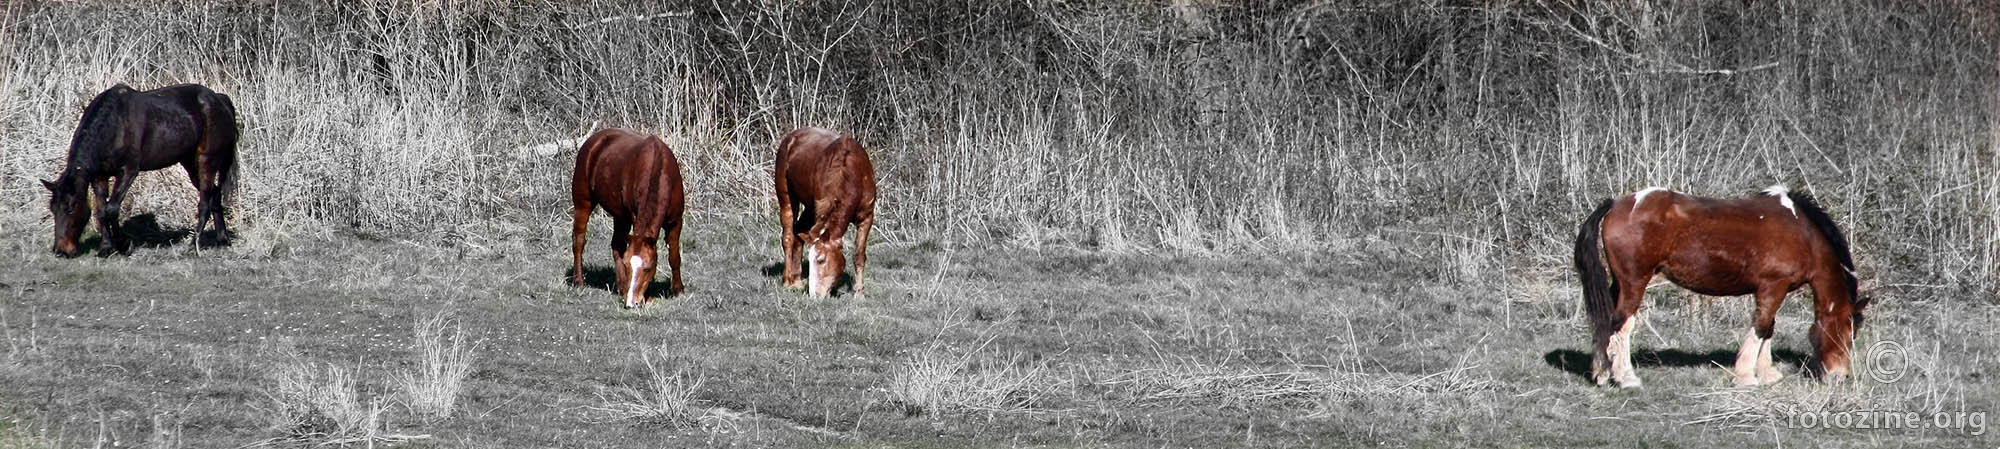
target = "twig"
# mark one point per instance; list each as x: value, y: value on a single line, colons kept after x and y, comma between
x: 633, y: 18
x: 1660, y: 66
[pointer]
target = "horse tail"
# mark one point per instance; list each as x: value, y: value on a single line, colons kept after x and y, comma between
x: 1598, y: 297
x: 97, y: 127
x: 219, y: 114
x: 1835, y: 240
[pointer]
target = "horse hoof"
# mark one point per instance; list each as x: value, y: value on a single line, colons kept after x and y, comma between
x: 1769, y: 377
x: 1629, y: 382
x: 1745, y: 381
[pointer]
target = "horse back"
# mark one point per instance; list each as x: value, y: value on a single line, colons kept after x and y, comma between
x: 817, y: 164
x: 151, y: 130
x: 1713, y: 245
x: 632, y: 176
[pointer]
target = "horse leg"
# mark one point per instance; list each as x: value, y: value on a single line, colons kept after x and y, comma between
x: 107, y: 213
x: 1631, y: 295
x: 861, y: 252
x: 1600, y: 360
x: 787, y: 218
x: 118, y: 190
x: 201, y: 194
x: 1767, y: 371
x: 620, y: 268
x: 1753, y: 358
x: 674, y: 255
x: 211, y: 186
x: 579, y: 222
x: 100, y: 195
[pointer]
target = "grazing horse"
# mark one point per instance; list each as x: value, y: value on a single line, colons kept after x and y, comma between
x: 824, y: 182
x: 636, y: 180
x: 1768, y: 244
x: 124, y: 132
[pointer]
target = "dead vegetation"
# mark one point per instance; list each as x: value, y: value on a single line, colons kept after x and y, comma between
x: 1295, y: 213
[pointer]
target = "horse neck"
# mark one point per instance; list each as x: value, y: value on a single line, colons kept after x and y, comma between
x: 1845, y: 284
x: 647, y: 213
x: 97, y: 131
x: 838, y: 176
x: 74, y: 178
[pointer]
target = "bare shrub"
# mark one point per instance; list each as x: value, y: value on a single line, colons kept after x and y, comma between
x: 1208, y: 128
x: 321, y: 403
x: 443, y: 362
x: 936, y: 380
x: 666, y: 399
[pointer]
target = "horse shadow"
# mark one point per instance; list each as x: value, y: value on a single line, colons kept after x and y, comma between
x: 602, y: 277
x: 844, y: 282
x: 144, y: 231
x: 1578, y: 362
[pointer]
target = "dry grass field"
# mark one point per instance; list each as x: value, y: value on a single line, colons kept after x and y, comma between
x: 314, y: 342
x: 1104, y: 224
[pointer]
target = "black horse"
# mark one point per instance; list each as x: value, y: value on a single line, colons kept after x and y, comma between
x: 124, y: 132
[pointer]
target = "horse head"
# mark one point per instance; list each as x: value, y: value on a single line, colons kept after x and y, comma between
x: 823, y: 267
x: 635, y: 269
x: 69, y: 205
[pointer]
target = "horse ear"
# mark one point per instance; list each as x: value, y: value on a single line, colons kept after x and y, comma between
x: 49, y: 185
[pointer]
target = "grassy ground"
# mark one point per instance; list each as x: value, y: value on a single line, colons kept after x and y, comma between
x: 1104, y: 223
x: 951, y: 346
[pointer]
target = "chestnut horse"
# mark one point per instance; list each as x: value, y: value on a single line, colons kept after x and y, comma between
x: 824, y: 182
x: 124, y: 132
x: 1769, y: 245
x: 636, y: 180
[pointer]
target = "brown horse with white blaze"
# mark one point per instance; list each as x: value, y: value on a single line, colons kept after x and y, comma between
x: 636, y: 180
x: 1767, y: 245
x: 824, y: 182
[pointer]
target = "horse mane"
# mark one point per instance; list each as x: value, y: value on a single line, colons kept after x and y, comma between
x: 99, y: 124
x: 1834, y: 238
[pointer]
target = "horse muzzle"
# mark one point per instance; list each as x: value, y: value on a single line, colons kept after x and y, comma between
x: 69, y: 250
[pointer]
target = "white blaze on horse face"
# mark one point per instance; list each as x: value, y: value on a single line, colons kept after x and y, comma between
x: 1784, y: 197
x: 822, y: 287
x: 812, y: 263
x: 1641, y: 195
x: 632, y: 293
